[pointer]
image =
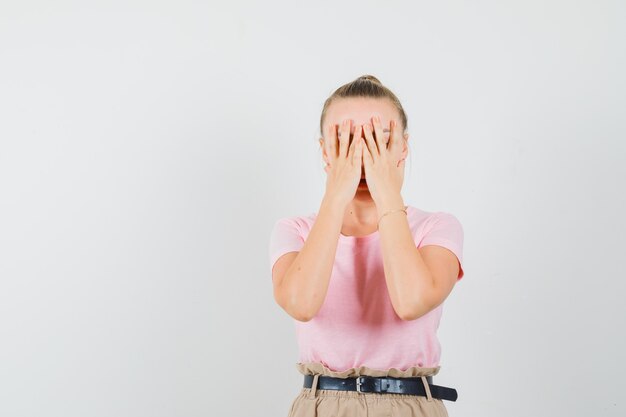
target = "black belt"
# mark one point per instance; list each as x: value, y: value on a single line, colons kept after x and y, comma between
x: 389, y: 385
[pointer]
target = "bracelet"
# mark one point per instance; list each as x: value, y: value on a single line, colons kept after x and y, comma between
x: 390, y: 211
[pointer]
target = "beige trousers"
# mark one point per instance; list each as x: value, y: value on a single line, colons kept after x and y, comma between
x: 313, y: 402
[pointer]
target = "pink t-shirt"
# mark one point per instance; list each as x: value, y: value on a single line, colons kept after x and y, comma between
x: 357, y: 325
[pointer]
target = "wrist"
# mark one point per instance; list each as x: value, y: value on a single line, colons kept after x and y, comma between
x: 389, y: 202
x: 334, y: 204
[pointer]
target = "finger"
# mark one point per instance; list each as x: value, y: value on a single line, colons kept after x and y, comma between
x: 362, y: 154
x: 379, y: 136
x: 351, y: 150
x: 330, y: 144
x: 395, y: 136
x: 344, y: 137
x: 355, y: 147
x: 371, y: 143
x: 367, y: 158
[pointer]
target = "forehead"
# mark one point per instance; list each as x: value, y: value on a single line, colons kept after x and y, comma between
x: 360, y: 110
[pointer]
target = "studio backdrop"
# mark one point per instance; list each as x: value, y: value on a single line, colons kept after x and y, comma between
x: 148, y: 148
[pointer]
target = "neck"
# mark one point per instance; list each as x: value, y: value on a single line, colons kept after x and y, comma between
x: 360, y: 215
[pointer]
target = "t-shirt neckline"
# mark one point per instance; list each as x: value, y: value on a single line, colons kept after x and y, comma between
x: 365, y: 238
x: 375, y: 234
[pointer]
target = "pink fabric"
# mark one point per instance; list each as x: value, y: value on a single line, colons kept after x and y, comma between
x: 357, y: 325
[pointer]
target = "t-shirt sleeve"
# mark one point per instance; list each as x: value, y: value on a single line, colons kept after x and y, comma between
x: 285, y: 237
x: 446, y: 231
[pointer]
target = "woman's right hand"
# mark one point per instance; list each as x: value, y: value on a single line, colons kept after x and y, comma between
x: 344, y: 160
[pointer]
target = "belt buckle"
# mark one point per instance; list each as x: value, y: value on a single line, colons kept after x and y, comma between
x: 384, y: 383
x: 358, y: 384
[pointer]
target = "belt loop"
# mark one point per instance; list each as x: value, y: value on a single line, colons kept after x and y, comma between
x: 314, y: 386
x: 427, y: 388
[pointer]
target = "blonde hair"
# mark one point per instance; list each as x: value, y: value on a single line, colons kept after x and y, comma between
x: 364, y: 86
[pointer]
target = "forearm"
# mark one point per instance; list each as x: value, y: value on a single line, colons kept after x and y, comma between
x: 306, y: 281
x: 409, y: 281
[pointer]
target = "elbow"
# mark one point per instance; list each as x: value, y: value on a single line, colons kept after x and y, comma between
x: 302, y: 317
x: 417, y: 307
x: 299, y: 313
x: 297, y: 302
x: 410, y: 315
x: 414, y: 311
x: 297, y: 308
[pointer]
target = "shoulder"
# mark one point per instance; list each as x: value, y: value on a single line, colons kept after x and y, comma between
x: 429, y: 218
x: 297, y: 220
x: 288, y: 235
x: 300, y: 224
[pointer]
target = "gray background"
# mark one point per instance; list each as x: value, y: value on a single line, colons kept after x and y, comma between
x: 148, y: 147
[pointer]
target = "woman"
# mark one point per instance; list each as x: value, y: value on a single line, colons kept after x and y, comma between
x: 365, y: 277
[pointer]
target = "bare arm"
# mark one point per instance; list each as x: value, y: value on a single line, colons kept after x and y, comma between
x: 301, y: 278
x: 418, y: 280
x: 301, y: 283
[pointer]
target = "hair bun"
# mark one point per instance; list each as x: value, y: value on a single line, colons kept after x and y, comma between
x: 364, y: 86
x: 371, y: 78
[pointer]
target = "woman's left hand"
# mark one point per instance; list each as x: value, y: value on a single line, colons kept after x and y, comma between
x: 384, y: 173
